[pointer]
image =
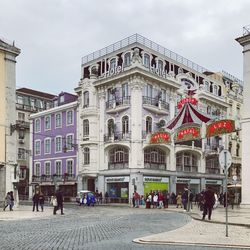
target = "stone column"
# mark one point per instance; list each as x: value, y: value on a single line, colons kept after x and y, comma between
x: 245, y: 122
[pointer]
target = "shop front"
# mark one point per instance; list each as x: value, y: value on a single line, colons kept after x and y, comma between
x: 215, y: 185
x: 192, y: 184
x: 117, y: 189
x: 155, y: 184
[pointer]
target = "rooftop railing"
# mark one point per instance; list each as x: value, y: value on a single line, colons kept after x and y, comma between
x: 136, y: 38
x: 246, y: 30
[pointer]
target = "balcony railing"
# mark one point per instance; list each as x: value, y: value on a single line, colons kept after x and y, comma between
x: 117, y: 165
x: 212, y: 171
x: 28, y: 108
x: 118, y: 102
x: 51, y: 178
x: 155, y: 102
x: 117, y: 136
x: 155, y: 166
x: 186, y: 168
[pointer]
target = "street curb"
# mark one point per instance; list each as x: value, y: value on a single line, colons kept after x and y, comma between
x: 183, y: 243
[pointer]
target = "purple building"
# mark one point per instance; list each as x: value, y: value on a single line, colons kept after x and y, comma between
x: 54, y: 147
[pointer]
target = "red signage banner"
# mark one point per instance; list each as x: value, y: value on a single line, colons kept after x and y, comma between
x: 220, y: 127
x: 188, y: 134
x: 160, y: 137
x: 191, y: 100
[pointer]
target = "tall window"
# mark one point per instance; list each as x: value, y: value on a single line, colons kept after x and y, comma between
x: 124, y: 90
x: 148, y: 90
x: 127, y: 59
x: 37, y: 169
x: 21, y: 134
x: 111, y: 127
x: 69, y: 142
x: 58, y: 168
x: 21, y: 154
x: 69, y: 167
x: 125, y: 125
x: 47, y: 168
x: 215, y: 89
x: 86, y: 127
x: 70, y: 117
x: 164, y: 95
x: 148, y: 124
x: 37, y: 125
x: 146, y: 60
x: 58, y: 144
x: 58, y: 120
x: 112, y: 63
x: 47, y: 146
x: 154, y: 155
x: 160, y: 65
x: 86, y: 156
x: 47, y: 123
x: 118, y: 155
x: 85, y: 99
x: 21, y: 116
x: 187, y: 161
x: 37, y: 147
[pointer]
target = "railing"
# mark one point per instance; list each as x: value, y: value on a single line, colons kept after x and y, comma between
x: 117, y: 102
x: 22, y: 124
x: 155, y: 102
x: 117, y: 136
x: 246, y: 30
x: 212, y: 170
x: 136, y: 38
x: 155, y: 166
x: 186, y: 168
x: 117, y: 165
x: 50, y: 178
x: 233, y: 78
x: 28, y: 107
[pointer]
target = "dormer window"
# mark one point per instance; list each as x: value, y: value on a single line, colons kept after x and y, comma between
x: 160, y: 65
x: 62, y: 99
x: 215, y: 89
x: 127, y: 59
x: 112, y: 63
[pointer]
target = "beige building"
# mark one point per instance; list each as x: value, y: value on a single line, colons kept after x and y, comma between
x: 8, y: 161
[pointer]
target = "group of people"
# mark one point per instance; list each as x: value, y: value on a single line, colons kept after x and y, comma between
x: 9, y: 201
x: 38, y: 199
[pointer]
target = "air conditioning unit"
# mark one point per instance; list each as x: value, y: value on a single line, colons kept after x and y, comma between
x: 21, y: 141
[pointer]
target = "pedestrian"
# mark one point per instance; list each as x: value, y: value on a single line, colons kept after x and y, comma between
x: 100, y: 197
x: 7, y: 202
x: 53, y: 201
x: 41, y: 200
x: 209, y: 201
x: 184, y: 198
x: 11, y: 200
x: 59, y: 198
x: 106, y: 197
x: 35, y: 200
x: 191, y: 197
x: 178, y: 200
x: 231, y: 198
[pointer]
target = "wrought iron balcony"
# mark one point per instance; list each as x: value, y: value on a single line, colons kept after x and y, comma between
x: 155, y: 166
x: 117, y: 136
x: 118, y: 102
x: 117, y: 165
x: 51, y: 178
x: 155, y: 102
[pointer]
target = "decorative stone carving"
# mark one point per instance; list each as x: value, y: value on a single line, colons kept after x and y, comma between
x: 136, y: 56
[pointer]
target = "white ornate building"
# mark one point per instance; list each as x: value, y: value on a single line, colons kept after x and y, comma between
x: 129, y: 91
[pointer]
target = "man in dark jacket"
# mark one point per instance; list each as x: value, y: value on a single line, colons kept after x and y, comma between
x: 35, y: 200
x: 209, y: 201
x: 59, y: 198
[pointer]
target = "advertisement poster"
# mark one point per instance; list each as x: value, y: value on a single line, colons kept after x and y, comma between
x: 124, y: 193
x: 154, y: 186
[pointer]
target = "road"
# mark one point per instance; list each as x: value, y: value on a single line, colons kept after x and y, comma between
x: 99, y: 227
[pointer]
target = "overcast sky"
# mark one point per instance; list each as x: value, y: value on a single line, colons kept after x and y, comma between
x: 54, y: 35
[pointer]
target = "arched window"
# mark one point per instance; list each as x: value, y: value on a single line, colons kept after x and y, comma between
x: 215, y: 90
x: 112, y: 63
x: 207, y: 88
x: 86, y: 156
x: 118, y: 155
x: 111, y: 127
x: 86, y: 127
x: 148, y: 124
x: 146, y: 60
x: 154, y: 157
x: 186, y: 162
x: 125, y: 125
x: 85, y: 99
x: 127, y: 59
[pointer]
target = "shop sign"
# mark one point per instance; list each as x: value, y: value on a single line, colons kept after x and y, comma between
x: 185, y: 181
x: 220, y: 127
x: 112, y: 72
x: 188, y: 134
x: 190, y: 100
x: 155, y: 179
x: 160, y: 137
x: 117, y: 179
x: 215, y: 182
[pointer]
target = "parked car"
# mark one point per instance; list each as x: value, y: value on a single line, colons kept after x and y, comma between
x: 86, y: 197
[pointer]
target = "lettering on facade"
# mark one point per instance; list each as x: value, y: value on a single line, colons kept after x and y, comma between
x: 113, y: 71
x: 115, y: 179
x: 220, y: 127
x: 159, y: 72
x: 152, y: 179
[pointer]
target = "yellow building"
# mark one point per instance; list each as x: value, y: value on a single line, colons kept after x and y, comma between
x: 8, y: 166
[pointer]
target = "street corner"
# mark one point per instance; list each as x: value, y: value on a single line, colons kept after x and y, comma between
x: 198, y: 233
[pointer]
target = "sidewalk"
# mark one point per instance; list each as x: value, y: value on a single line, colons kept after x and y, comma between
x: 207, y: 233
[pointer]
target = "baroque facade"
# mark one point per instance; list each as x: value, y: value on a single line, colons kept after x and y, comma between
x: 129, y: 91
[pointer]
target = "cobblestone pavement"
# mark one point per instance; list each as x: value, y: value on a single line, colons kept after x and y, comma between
x: 92, y: 228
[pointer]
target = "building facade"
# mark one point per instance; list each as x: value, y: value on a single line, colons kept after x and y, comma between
x: 129, y: 92
x: 8, y: 161
x: 54, y: 142
x: 28, y: 101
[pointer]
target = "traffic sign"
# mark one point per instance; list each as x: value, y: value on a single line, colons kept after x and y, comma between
x: 225, y: 159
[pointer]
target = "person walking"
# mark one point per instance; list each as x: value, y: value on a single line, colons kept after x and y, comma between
x: 209, y: 201
x: 7, y: 202
x: 41, y: 200
x: 35, y: 200
x: 11, y: 200
x: 53, y: 201
x: 178, y: 200
x: 59, y: 198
